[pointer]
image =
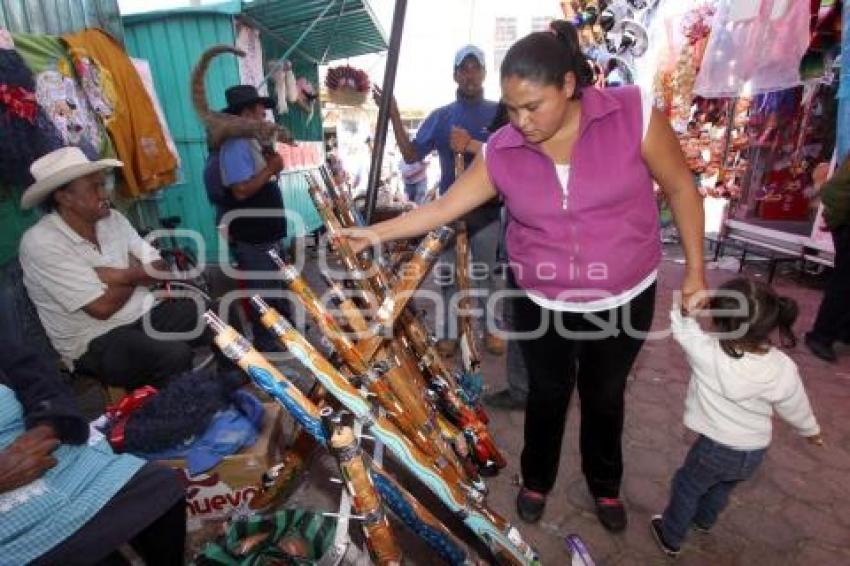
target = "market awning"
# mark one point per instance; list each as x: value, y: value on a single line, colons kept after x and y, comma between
x: 345, y: 28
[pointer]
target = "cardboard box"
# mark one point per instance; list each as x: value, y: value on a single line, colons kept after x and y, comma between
x: 227, y: 489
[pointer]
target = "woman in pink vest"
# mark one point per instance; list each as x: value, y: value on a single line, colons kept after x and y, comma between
x: 575, y: 169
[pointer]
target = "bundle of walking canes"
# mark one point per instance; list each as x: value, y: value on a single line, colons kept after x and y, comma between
x: 385, y: 373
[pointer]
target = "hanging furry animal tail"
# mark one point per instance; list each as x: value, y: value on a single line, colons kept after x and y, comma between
x: 221, y: 126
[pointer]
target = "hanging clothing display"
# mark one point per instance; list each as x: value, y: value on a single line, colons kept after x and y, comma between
x: 6, y: 41
x: 745, y: 55
x: 60, y: 95
x: 117, y: 93
x: 26, y: 133
x: 144, y: 70
x: 682, y: 35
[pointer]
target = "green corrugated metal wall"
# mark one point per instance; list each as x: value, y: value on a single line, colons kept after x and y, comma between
x: 60, y: 16
x: 172, y: 46
x: 53, y: 17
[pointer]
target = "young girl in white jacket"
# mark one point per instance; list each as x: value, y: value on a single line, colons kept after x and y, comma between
x: 738, y: 380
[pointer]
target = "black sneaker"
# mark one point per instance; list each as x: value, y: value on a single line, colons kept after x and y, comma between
x: 655, y: 527
x: 504, y: 400
x: 611, y: 513
x: 530, y: 505
x: 820, y: 349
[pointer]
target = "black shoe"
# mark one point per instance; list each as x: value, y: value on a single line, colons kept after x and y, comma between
x: 611, y: 513
x: 655, y: 527
x: 530, y: 505
x: 820, y: 349
x: 700, y: 528
x: 505, y: 400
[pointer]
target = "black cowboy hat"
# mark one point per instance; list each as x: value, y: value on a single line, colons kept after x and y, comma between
x: 240, y: 96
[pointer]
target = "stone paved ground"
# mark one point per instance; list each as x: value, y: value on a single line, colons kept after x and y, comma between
x: 792, y: 512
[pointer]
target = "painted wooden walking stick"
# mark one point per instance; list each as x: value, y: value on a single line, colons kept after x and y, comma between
x: 346, y: 212
x: 365, y: 498
x: 413, y: 400
x: 475, y: 430
x: 432, y: 361
x: 473, y: 426
x: 379, y: 282
x: 370, y: 278
x: 344, y: 251
x: 279, y: 481
x: 308, y: 416
x: 402, y: 288
x: 504, y: 540
x: 470, y: 426
x: 347, y: 394
x: 472, y: 381
x: 388, y: 383
x: 456, y: 401
x: 476, y: 439
x: 347, y: 309
x: 400, y: 387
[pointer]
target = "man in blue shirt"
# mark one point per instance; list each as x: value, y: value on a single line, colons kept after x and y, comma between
x: 249, y: 175
x: 459, y: 127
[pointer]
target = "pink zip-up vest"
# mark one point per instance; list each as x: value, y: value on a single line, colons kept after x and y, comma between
x: 607, y: 240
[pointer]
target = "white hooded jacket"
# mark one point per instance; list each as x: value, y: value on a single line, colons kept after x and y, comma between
x: 732, y: 400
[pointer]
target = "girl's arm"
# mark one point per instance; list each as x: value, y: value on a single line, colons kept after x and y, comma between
x: 697, y: 344
x: 793, y: 405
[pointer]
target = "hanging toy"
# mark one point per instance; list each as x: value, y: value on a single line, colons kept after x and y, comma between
x: 628, y: 38
x: 291, y: 83
x: 613, y: 14
x: 618, y: 72
x: 278, y: 74
x: 307, y: 96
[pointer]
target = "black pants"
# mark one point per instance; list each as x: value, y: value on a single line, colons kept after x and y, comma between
x: 598, y: 366
x: 833, y: 319
x: 149, y: 513
x: 255, y: 257
x: 127, y: 357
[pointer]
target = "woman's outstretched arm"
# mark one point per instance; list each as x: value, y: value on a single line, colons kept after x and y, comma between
x: 469, y: 191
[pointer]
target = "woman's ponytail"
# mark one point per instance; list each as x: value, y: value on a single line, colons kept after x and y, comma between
x: 547, y: 56
x: 568, y: 35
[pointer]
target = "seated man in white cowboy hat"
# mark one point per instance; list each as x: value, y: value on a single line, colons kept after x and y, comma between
x: 87, y: 271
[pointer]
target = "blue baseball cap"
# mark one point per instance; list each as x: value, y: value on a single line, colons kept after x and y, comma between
x: 467, y: 51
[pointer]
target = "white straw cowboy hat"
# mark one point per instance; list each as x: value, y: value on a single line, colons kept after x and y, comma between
x: 58, y: 168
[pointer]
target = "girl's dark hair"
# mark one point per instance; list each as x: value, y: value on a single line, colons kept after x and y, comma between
x: 763, y: 312
x: 546, y: 56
